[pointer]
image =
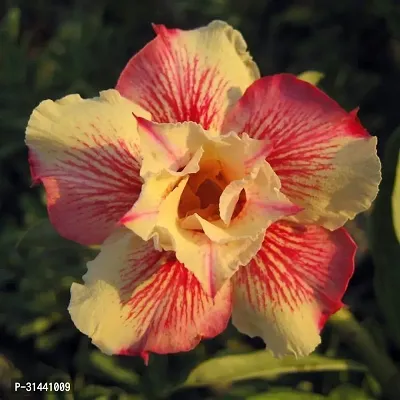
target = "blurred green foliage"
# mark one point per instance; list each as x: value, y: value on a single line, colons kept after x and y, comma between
x: 52, y: 48
x: 385, y: 219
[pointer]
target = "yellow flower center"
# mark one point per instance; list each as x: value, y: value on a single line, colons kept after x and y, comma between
x: 203, y: 191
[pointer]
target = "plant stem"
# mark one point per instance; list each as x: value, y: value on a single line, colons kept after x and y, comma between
x: 376, y: 359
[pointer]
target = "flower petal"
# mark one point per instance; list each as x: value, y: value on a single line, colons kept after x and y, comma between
x: 180, y: 146
x: 171, y: 151
x: 142, y: 217
x: 211, y: 263
x: 86, y: 154
x: 173, y: 147
x: 190, y: 75
x: 296, y: 281
x: 264, y: 205
x: 325, y: 159
x: 137, y: 300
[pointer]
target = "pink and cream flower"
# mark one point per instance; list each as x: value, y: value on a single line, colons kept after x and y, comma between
x: 214, y: 193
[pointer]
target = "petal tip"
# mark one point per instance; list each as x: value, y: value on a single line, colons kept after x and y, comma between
x: 32, y: 161
x: 157, y: 28
x: 354, y: 112
x: 144, y: 355
x: 162, y: 30
x: 143, y: 122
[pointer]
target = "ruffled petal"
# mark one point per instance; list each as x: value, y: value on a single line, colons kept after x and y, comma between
x: 178, y: 148
x: 325, y: 159
x: 211, y: 263
x: 172, y: 151
x: 207, y: 197
x: 137, y: 300
x: 190, y: 75
x: 173, y: 147
x: 264, y: 205
x: 142, y: 217
x: 296, y: 281
x: 86, y: 154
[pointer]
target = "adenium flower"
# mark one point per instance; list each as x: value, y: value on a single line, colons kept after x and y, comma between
x: 214, y: 193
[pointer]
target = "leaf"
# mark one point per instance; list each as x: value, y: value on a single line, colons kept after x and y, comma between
x: 120, y: 370
x: 8, y: 371
x: 10, y: 25
x: 348, y: 392
x: 385, y: 245
x: 285, y: 394
x: 91, y: 392
x: 110, y: 366
x: 39, y: 325
x: 313, y: 77
x: 260, y: 364
x: 396, y: 201
x: 61, y: 395
x: 64, y: 383
x: 43, y: 234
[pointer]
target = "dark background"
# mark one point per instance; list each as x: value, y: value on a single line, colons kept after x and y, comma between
x: 51, y: 48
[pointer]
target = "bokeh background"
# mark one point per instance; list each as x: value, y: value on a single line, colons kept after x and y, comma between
x: 51, y: 48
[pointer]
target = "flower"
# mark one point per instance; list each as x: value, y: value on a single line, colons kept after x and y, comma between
x: 214, y: 193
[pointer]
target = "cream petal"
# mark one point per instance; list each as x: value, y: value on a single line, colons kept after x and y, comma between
x: 211, y: 263
x: 325, y: 159
x: 296, y: 281
x: 172, y: 147
x: 193, y: 75
x: 142, y: 217
x: 264, y: 205
x: 171, y: 151
x: 136, y: 300
x: 86, y: 154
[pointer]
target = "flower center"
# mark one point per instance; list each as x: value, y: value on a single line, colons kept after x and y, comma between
x: 203, y: 191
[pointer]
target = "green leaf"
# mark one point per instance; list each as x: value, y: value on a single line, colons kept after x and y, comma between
x: 313, y: 77
x: 110, y: 367
x: 10, y: 25
x: 384, y: 242
x: 260, y: 364
x: 285, y: 394
x: 39, y: 325
x: 91, y: 392
x: 348, y: 392
x: 60, y: 378
x: 396, y: 201
x: 61, y: 395
x: 43, y: 234
x: 8, y: 371
x: 114, y: 369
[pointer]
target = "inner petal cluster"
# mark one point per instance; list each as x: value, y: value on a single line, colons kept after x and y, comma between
x: 203, y: 191
x: 207, y: 197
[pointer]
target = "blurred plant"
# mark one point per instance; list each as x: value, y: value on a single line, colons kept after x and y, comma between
x: 51, y: 48
x: 385, y: 238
